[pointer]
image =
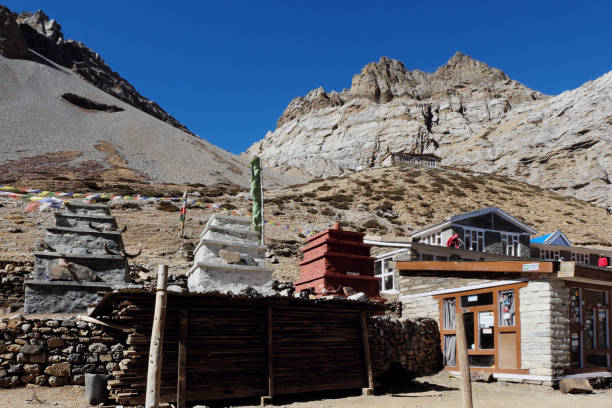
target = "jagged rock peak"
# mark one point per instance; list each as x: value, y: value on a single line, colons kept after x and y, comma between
x: 462, y: 68
x: 40, y: 22
x: 12, y: 43
x: 462, y: 77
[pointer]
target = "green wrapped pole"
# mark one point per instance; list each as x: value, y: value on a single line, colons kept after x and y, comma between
x: 257, y: 197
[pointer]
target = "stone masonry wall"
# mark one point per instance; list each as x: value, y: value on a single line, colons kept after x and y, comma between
x: 421, y: 307
x: 545, y: 336
x: 12, y: 275
x: 55, y: 352
x: 427, y: 306
x: 413, y: 344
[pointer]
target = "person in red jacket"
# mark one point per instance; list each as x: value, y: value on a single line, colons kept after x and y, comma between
x: 603, y: 261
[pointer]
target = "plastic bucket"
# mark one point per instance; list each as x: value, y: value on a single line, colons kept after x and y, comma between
x: 95, y: 388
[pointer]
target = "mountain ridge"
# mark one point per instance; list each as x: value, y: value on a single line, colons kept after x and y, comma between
x: 35, y: 31
x: 470, y: 114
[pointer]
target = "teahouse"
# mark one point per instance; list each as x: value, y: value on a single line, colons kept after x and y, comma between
x: 406, y: 158
x: 526, y: 319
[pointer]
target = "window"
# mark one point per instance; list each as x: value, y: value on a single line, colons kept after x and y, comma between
x: 506, y: 308
x: 492, y: 327
x: 590, y: 328
x: 549, y: 255
x: 473, y: 239
x: 386, y: 275
x: 510, y: 244
x: 580, y: 258
x: 433, y: 239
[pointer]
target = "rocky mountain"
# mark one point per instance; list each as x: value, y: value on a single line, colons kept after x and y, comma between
x: 472, y: 115
x: 36, y: 31
x: 61, y: 123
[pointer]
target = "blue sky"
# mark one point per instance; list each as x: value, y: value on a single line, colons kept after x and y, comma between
x: 227, y: 69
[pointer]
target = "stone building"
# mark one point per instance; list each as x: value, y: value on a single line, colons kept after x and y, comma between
x: 413, y: 159
x: 526, y: 320
x: 556, y: 246
x: 488, y: 234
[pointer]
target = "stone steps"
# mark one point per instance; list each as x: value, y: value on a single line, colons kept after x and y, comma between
x: 66, y: 240
x: 68, y: 277
x: 207, y: 277
x: 242, y: 266
x: 82, y: 221
x: 217, y: 233
x: 109, y: 268
x: 239, y: 223
x: 87, y: 209
x: 207, y: 250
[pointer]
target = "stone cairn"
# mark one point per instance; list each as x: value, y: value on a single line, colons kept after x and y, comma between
x: 228, y: 258
x: 83, y: 254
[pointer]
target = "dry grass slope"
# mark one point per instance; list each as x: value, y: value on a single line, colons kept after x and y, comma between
x: 419, y: 197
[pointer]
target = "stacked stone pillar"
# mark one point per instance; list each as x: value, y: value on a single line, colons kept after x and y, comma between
x: 229, y: 258
x: 83, y: 254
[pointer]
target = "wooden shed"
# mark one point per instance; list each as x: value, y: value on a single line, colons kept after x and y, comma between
x: 240, y: 346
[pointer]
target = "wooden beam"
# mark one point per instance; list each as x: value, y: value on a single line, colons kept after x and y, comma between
x: 366, y: 356
x: 583, y: 273
x: 464, y: 364
x: 181, y: 385
x: 105, y: 323
x: 157, y: 340
x: 536, y: 267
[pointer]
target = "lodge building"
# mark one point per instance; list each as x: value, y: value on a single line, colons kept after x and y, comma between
x: 535, y: 310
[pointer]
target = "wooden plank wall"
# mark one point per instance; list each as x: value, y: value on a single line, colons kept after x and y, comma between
x: 229, y: 355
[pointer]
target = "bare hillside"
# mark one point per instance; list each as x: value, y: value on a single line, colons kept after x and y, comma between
x: 45, y: 135
x: 361, y: 202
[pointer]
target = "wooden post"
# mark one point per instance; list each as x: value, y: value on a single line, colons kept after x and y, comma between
x: 157, y: 340
x: 268, y: 398
x: 464, y: 364
x: 181, y: 384
x: 366, y: 356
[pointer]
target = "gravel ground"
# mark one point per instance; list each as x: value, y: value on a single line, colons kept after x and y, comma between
x: 438, y: 391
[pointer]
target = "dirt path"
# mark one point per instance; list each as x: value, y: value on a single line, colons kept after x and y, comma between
x: 438, y: 391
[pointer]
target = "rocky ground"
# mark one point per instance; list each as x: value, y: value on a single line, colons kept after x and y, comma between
x: 383, y: 203
x: 439, y: 391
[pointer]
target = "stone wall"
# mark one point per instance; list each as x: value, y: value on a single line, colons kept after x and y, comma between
x: 55, y: 352
x: 12, y: 275
x: 545, y: 336
x: 415, y: 344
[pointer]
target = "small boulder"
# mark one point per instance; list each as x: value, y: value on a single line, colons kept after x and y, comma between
x: 58, y: 370
x: 482, y: 376
x: 575, y: 386
x: 231, y: 257
x: 166, y: 206
x: 54, y: 342
x: 56, y: 381
x: 98, y: 348
x: 360, y: 297
x: 31, y: 349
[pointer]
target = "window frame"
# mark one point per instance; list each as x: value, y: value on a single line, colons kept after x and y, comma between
x: 480, y: 238
x: 509, y: 240
x: 579, y: 328
x: 384, y: 273
x: 497, y: 328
